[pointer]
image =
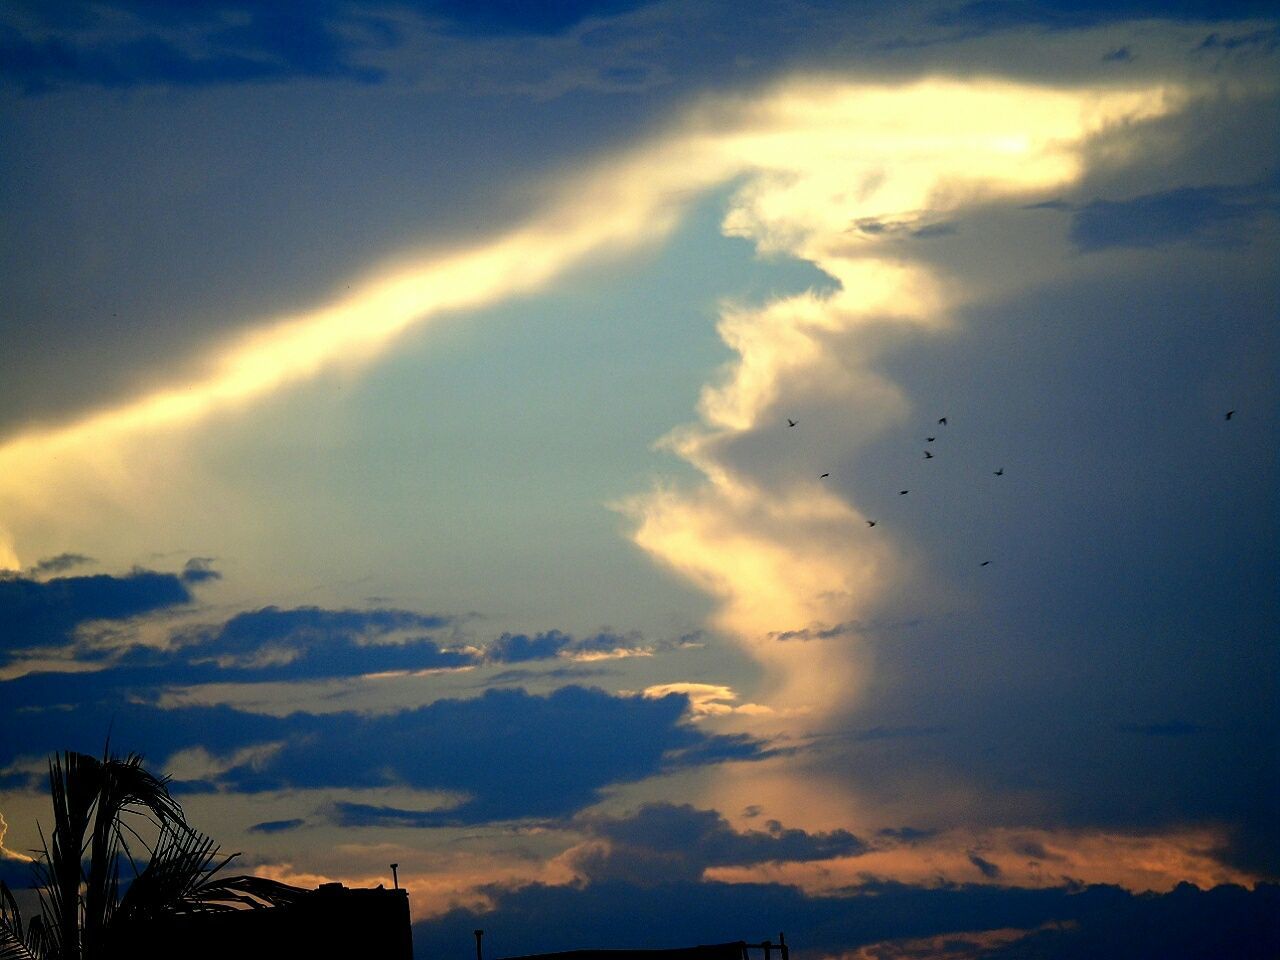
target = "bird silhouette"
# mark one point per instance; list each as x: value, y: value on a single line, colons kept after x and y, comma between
x: 1000, y: 472
x: 902, y: 492
x: 928, y: 455
x: 943, y: 421
x: 1230, y: 414
x: 984, y: 563
x: 929, y: 439
x: 790, y: 422
x: 871, y: 523
x: 823, y: 475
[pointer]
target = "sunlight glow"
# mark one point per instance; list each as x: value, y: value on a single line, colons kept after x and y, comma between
x: 814, y: 158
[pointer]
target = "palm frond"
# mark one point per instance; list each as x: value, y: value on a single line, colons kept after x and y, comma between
x: 254, y: 892
x: 15, y: 943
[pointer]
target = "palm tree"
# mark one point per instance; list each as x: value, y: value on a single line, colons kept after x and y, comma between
x: 99, y: 806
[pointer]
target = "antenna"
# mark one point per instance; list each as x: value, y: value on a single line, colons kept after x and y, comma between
x: 395, y: 876
x: 479, y: 934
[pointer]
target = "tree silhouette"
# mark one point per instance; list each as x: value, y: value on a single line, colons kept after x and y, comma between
x: 105, y: 813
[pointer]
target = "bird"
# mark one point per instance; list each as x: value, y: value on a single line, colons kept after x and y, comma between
x: 1000, y: 472
x: 929, y: 439
x: 790, y: 422
x: 871, y: 523
x: 1230, y: 414
x: 824, y: 475
x: 984, y: 563
x: 902, y: 492
x: 928, y: 455
x: 943, y: 421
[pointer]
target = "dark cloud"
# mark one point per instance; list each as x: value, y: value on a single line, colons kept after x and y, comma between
x: 276, y: 826
x: 303, y: 643
x: 662, y: 842
x: 1169, y: 728
x: 1118, y: 671
x: 992, y: 15
x: 131, y: 43
x: 898, y: 733
x: 906, y: 834
x: 518, y: 17
x: 510, y: 753
x: 1087, y: 923
x: 850, y: 627
x: 1259, y: 41
x: 576, y: 671
x: 519, y: 647
x: 17, y: 874
x: 199, y: 569
x: 935, y: 230
x: 369, y: 815
x: 1209, y: 214
x: 37, y: 613
x: 985, y: 867
x: 513, y: 754
x: 59, y: 564
x: 301, y: 627
x: 280, y: 645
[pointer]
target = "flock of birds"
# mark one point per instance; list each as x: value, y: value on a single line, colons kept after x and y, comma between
x: 928, y: 455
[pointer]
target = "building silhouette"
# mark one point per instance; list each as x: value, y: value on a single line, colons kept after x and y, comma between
x: 327, y: 923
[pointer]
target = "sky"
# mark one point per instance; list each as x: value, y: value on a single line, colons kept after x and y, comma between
x: 660, y: 473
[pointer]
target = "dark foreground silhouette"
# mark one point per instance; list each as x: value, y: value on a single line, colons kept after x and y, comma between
x: 331, y: 921
x: 736, y: 950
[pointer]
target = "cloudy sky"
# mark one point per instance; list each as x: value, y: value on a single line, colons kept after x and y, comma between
x: 659, y: 472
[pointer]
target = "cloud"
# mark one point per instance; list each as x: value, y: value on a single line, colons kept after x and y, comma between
x: 521, y: 648
x: 1169, y: 728
x: 199, y: 570
x: 276, y: 826
x: 663, y: 842
x: 1087, y: 922
x: 301, y: 643
x: 512, y: 754
x: 15, y: 868
x: 59, y: 564
x: 1016, y: 136
x: 521, y: 18
x: 778, y: 549
x: 38, y: 613
x: 308, y: 642
x: 993, y: 15
x: 128, y: 44
x: 509, y: 754
x: 1206, y: 214
x: 985, y: 867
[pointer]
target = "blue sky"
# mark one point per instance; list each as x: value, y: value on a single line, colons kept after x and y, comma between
x: 508, y: 441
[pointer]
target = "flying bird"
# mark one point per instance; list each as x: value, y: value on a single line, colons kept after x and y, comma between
x: 871, y: 523
x: 928, y: 455
x: 984, y: 563
x: 1230, y: 414
x: 824, y: 475
x: 790, y: 422
x: 929, y: 439
x: 1000, y: 472
x: 943, y: 421
x: 902, y: 492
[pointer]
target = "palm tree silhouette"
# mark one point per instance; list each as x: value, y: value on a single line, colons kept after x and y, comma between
x: 100, y: 807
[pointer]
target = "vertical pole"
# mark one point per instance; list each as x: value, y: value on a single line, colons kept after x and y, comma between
x: 395, y: 876
x: 766, y: 946
x: 479, y: 934
x: 782, y: 942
